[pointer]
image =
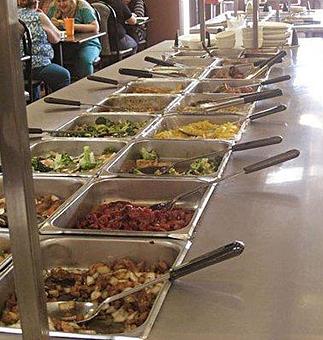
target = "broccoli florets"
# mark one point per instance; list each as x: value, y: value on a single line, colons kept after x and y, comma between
x: 87, y: 160
x: 148, y: 155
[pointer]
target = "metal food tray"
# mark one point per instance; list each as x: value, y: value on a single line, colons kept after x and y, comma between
x: 189, y: 53
x: 210, y: 85
x: 186, y: 105
x: 146, y: 191
x: 123, y: 102
x: 175, y: 121
x: 239, y: 61
x: 68, y: 252
x: 176, y: 86
x: 194, y: 61
x: 244, y: 69
x: 173, y: 150
x: 184, y: 72
x: 113, y: 116
x: 5, y: 245
x: 74, y: 147
x: 62, y: 187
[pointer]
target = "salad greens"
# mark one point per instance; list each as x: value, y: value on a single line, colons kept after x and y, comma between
x: 65, y: 163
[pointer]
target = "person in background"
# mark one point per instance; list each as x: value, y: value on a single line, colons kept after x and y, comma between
x: 124, y: 16
x: 43, y: 34
x: 86, y: 22
x: 44, y: 5
x: 138, y: 8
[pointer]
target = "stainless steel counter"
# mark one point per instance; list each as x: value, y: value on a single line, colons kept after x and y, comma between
x: 274, y: 291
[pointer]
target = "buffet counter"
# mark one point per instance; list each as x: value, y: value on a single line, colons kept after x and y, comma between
x: 274, y: 289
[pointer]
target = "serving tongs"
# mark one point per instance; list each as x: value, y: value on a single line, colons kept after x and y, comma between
x: 267, y: 65
x: 150, y: 74
x: 258, y: 143
x: 244, y: 98
x: 266, y: 163
x: 161, y: 62
x: 69, y: 102
x: 81, y: 312
x: 267, y: 82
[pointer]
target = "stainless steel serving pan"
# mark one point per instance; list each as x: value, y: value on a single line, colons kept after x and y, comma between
x: 194, y: 61
x: 146, y: 191
x: 186, y: 72
x: 210, y: 86
x: 190, y: 104
x: 68, y: 252
x: 114, y: 117
x: 63, y: 187
x: 175, y: 86
x: 5, y: 246
x: 172, y: 150
x: 244, y: 69
x: 151, y: 103
x: 74, y: 147
x: 173, y: 121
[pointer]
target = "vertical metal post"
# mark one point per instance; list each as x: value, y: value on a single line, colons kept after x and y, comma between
x: 18, y: 183
x: 255, y: 23
x: 201, y: 5
x: 235, y: 8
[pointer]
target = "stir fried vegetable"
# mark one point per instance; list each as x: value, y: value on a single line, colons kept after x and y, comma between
x: 65, y: 163
x: 104, y: 127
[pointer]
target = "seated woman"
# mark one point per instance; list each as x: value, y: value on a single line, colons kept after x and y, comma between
x: 138, y: 8
x: 124, y: 16
x: 44, y: 5
x: 86, y: 22
x: 43, y: 33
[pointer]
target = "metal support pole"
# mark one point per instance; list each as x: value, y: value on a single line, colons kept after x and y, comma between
x: 235, y: 8
x: 255, y: 11
x: 201, y: 4
x: 18, y: 183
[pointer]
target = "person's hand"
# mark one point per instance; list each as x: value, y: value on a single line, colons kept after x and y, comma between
x: 56, y: 22
x: 38, y: 10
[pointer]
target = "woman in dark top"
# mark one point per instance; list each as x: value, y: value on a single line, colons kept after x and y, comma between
x: 124, y: 16
x: 138, y: 8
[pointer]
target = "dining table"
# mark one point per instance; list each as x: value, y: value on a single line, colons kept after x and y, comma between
x: 76, y: 39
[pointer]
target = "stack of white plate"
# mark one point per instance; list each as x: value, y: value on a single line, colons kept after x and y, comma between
x: 247, y: 37
x: 226, y: 39
x: 193, y: 41
x: 275, y: 34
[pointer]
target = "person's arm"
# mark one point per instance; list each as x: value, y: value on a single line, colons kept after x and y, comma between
x: 129, y: 17
x: 52, y: 32
x: 89, y: 23
x: 92, y: 27
x: 139, y: 8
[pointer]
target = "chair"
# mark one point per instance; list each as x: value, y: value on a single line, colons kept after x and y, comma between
x: 108, y: 54
x: 26, y: 58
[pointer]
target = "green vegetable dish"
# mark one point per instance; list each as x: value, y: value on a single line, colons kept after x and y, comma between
x: 65, y: 163
x: 104, y: 127
x: 150, y: 163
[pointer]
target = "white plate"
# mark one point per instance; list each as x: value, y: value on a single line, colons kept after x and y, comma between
x: 274, y: 43
x: 272, y: 25
x: 282, y: 36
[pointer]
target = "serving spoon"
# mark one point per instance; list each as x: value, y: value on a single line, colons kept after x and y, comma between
x: 81, y: 312
x: 258, y: 143
x: 266, y: 163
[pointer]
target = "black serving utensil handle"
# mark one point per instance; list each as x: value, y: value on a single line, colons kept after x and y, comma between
x: 277, y: 159
x: 215, y: 256
x: 35, y: 131
x: 276, y: 58
x: 259, y: 143
x: 262, y: 95
x: 159, y: 61
x: 135, y: 72
x: 267, y: 112
x: 103, y: 80
x: 276, y: 80
x: 60, y: 101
